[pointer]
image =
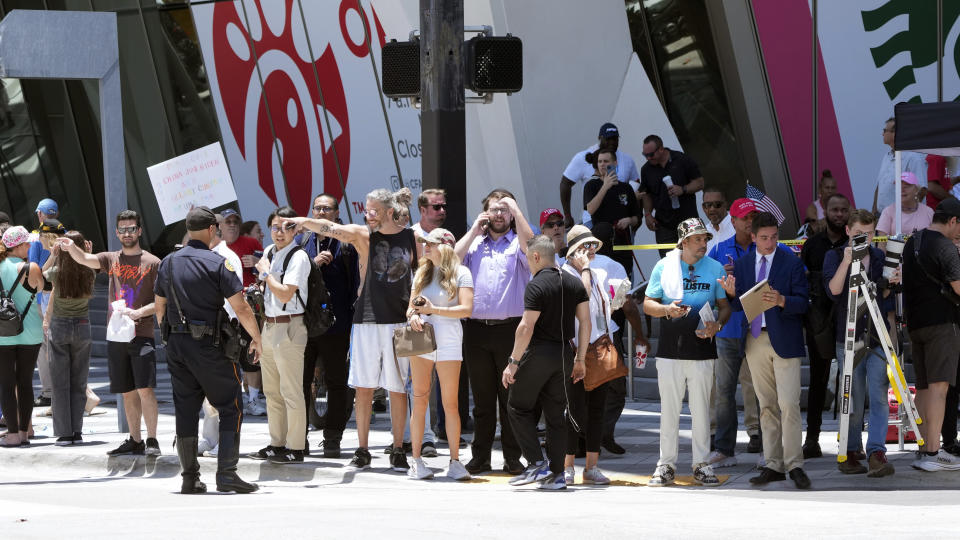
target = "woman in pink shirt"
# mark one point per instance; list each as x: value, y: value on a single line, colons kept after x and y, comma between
x: 914, y: 216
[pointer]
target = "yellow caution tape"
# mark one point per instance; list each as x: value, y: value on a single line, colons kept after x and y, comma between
x: 671, y: 246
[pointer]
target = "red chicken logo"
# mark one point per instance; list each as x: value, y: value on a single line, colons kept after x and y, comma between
x: 289, y: 96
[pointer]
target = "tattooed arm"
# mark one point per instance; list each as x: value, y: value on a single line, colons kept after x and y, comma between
x: 358, y: 235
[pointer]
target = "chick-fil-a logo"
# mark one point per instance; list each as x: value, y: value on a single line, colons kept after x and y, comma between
x: 289, y: 95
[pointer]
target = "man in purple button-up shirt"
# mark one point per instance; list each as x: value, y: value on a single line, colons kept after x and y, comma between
x: 494, y: 249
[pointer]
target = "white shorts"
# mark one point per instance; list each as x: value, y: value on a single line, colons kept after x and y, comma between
x: 371, y: 359
x: 449, y: 335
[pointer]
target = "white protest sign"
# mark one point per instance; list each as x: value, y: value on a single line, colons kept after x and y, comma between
x: 197, y: 178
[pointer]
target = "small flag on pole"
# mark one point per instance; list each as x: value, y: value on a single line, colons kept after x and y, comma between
x: 764, y: 203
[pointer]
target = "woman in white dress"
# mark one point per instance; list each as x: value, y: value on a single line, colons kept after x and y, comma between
x: 442, y: 295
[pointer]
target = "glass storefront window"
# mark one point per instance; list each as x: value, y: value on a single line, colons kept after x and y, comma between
x: 674, y: 42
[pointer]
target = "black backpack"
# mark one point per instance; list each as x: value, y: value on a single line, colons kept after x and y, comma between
x: 318, y: 311
x: 11, y: 319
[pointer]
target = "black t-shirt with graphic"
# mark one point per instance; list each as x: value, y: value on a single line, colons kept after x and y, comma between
x: 391, y: 261
x: 556, y: 303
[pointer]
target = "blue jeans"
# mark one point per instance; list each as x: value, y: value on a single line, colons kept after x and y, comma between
x: 730, y: 355
x: 869, y: 378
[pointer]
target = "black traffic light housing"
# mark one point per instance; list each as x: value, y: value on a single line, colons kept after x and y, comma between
x: 400, y: 68
x: 493, y: 64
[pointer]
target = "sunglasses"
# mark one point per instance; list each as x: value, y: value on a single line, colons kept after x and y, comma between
x: 552, y: 224
x: 438, y: 207
x: 649, y: 155
x: 716, y: 204
x: 288, y: 226
x: 127, y: 230
x: 324, y: 209
x: 590, y: 245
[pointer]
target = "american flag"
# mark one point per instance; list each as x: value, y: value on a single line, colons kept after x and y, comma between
x: 764, y: 203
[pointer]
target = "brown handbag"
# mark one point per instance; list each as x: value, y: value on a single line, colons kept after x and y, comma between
x: 603, y: 363
x: 409, y: 342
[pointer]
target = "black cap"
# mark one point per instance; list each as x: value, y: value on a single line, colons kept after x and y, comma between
x: 949, y: 207
x: 52, y: 226
x: 199, y: 218
x: 608, y: 131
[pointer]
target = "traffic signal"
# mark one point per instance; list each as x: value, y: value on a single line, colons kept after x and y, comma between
x: 400, y: 68
x: 493, y: 64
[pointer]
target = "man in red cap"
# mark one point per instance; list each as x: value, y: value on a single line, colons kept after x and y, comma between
x: 551, y: 226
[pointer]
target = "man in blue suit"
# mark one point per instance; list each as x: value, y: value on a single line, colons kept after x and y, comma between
x: 775, y: 347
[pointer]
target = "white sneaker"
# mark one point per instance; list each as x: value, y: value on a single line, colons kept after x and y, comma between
x: 457, y: 471
x: 569, y: 475
x: 943, y: 461
x: 256, y: 408
x: 419, y: 471
x: 203, y: 447
x: 718, y: 460
x: 553, y: 482
x: 594, y: 476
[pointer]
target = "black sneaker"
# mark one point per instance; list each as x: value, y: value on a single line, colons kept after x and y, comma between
x: 610, y: 445
x: 755, y: 446
x: 64, y: 441
x: 478, y: 466
x: 331, y: 448
x: 379, y: 405
x: 152, y: 447
x: 811, y: 449
x: 398, y: 461
x: 361, y: 459
x: 77, y: 437
x: 428, y: 449
x: 266, y: 452
x: 42, y: 402
x: 129, y: 447
x: 512, y: 466
x: 287, y: 457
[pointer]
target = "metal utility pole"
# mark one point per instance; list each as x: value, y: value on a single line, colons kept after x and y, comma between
x: 443, y: 125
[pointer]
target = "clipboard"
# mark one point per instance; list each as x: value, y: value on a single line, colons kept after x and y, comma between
x: 753, y: 303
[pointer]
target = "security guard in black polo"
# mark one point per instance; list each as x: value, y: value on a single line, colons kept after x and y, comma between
x: 191, y: 286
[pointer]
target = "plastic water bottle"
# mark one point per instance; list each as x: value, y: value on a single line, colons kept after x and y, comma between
x: 674, y: 201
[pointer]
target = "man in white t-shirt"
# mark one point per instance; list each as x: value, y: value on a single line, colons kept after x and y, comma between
x: 578, y: 171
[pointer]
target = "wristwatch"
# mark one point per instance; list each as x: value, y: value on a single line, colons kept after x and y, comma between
x: 513, y: 362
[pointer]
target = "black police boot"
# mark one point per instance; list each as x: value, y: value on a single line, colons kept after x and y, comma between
x: 227, y: 458
x: 187, y: 452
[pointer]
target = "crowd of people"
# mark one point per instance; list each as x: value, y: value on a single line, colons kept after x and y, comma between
x: 525, y: 320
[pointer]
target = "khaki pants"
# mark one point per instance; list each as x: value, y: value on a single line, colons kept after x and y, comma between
x: 282, y: 369
x: 777, y: 383
x: 674, y: 378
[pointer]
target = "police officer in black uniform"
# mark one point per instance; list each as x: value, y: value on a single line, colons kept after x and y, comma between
x: 190, y: 289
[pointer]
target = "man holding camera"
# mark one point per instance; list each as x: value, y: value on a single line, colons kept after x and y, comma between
x: 191, y: 286
x: 870, y: 374
x: 931, y: 278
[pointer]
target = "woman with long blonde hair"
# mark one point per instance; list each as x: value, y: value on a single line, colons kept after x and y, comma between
x: 442, y: 295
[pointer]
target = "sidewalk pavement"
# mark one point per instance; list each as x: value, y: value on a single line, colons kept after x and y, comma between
x: 637, y: 431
